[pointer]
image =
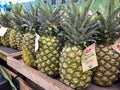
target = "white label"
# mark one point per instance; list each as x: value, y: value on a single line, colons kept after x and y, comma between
x: 116, y: 46
x: 90, y: 12
x: 3, y: 30
x: 89, y: 59
x: 37, y: 42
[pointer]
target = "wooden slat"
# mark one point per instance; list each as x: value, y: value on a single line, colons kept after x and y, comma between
x: 6, y: 51
x: 37, y: 77
x: 16, y: 54
x: 35, y: 86
x: 23, y: 84
x: 3, y: 55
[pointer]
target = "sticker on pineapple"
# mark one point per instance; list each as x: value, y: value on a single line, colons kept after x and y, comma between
x: 37, y: 42
x: 116, y: 46
x: 90, y: 12
x: 89, y: 59
x: 3, y: 30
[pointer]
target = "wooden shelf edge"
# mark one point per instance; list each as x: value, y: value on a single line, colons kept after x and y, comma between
x: 16, y: 54
x: 4, y: 54
x: 37, y: 77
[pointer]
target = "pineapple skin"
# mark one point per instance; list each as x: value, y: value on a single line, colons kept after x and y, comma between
x: 108, y: 70
x: 28, y: 49
x: 19, y: 39
x: 12, y: 39
x: 5, y: 38
x: 0, y: 41
x: 70, y: 70
x: 48, y: 56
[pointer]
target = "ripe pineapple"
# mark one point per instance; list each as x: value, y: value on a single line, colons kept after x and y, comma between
x: 0, y: 40
x: 12, y: 39
x: 48, y: 53
x: 28, y: 49
x: 5, y: 38
x: 108, y: 59
x: 5, y: 22
x: 79, y: 29
x: 19, y: 39
x: 28, y: 44
x: 18, y: 33
x: 0, y: 27
x: 48, y: 56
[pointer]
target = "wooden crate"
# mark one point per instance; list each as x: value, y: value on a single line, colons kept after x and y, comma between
x: 36, y: 76
x: 6, y: 51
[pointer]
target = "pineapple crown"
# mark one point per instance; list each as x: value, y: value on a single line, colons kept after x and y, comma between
x: 24, y: 19
x: 110, y: 24
x: 5, y: 19
x: 50, y: 19
x: 31, y: 20
x: 17, y: 14
x: 79, y: 27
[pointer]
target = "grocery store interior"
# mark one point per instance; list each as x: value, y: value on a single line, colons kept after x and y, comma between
x: 59, y: 44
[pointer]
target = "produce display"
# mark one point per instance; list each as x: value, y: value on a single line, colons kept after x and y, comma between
x: 54, y: 40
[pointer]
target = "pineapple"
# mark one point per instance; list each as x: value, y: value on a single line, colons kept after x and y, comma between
x: 0, y: 40
x: 5, y: 21
x: 48, y: 56
x: 108, y: 59
x: 0, y: 27
x: 49, y: 49
x: 28, y: 51
x: 79, y: 29
x: 17, y: 34
x: 5, y: 38
x: 12, y: 39
x: 28, y: 44
x: 19, y: 39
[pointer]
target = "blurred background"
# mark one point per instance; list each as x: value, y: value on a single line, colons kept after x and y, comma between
x: 4, y: 4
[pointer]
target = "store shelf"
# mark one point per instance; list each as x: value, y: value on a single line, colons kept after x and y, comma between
x: 36, y: 76
x: 14, y: 60
x: 6, y: 51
